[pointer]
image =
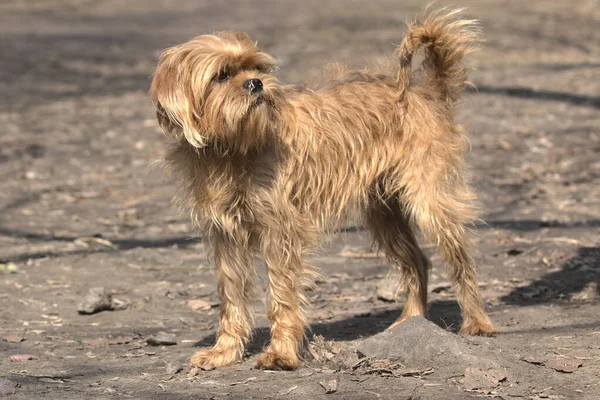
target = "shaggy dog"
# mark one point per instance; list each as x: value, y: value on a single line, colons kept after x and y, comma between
x: 266, y: 169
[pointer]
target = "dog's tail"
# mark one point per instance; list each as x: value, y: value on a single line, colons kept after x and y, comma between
x: 445, y: 37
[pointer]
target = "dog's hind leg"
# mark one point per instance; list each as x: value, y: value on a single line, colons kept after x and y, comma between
x: 437, y: 198
x: 391, y: 230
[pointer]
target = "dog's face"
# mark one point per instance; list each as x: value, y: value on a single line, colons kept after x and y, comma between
x: 217, y: 90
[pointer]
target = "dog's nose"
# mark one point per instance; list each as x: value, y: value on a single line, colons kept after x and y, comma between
x: 253, y: 85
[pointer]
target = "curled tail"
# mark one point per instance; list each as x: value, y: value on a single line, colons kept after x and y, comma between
x: 445, y: 37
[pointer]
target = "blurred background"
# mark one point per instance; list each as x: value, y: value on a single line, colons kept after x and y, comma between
x: 81, y: 206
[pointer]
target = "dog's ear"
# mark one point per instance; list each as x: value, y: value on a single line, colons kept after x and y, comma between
x: 169, y: 127
x: 174, y: 97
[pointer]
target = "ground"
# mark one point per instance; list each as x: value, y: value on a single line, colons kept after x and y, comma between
x: 82, y: 206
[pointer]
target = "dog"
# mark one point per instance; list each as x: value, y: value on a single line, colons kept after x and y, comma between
x: 266, y: 169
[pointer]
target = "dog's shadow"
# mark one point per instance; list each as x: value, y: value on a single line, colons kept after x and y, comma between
x: 444, y: 313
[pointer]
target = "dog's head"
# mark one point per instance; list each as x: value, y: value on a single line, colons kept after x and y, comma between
x: 217, y: 90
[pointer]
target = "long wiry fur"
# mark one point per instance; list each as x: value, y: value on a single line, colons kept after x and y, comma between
x: 266, y: 174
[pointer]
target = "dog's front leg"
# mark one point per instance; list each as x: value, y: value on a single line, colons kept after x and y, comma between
x: 235, y: 272
x: 282, y: 254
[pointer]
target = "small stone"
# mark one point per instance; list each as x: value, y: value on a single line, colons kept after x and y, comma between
x: 161, y: 339
x: 173, y: 368
x: 97, y: 299
x: 330, y: 386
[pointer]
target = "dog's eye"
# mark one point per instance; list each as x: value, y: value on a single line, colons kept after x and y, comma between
x: 222, y: 76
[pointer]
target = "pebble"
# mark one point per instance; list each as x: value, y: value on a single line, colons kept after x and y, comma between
x: 97, y: 299
x: 161, y: 339
x: 173, y: 368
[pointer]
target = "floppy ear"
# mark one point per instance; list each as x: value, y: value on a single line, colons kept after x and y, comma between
x: 173, y: 94
x: 169, y: 126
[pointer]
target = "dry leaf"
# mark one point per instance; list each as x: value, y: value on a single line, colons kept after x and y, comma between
x: 564, y: 364
x: 23, y: 357
x: 476, y: 378
x: 352, y: 254
x: 13, y: 338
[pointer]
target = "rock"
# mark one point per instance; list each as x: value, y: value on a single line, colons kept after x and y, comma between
x: 161, y: 339
x: 97, y: 299
x: 387, y: 289
x: 419, y: 343
x: 416, y: 343
x: 173, y: 368
x: 7, y: 387
x: 330, y: 386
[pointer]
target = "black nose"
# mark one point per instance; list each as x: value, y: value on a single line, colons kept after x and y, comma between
x: 254, y: 85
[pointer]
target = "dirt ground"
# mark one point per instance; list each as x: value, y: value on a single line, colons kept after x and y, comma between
x: 81, y: 206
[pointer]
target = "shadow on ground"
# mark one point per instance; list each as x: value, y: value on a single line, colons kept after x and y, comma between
x: 542, y: 95
x: 578, y: 279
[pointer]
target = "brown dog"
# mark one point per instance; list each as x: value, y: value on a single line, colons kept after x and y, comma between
x: 265, y: 169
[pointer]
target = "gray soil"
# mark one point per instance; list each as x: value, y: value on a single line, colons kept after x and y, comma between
x: 81, y: 207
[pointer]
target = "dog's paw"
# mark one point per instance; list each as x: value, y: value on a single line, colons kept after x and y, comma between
x: 274, y: 361
x: 475, y: 328
x: 214, y: 358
